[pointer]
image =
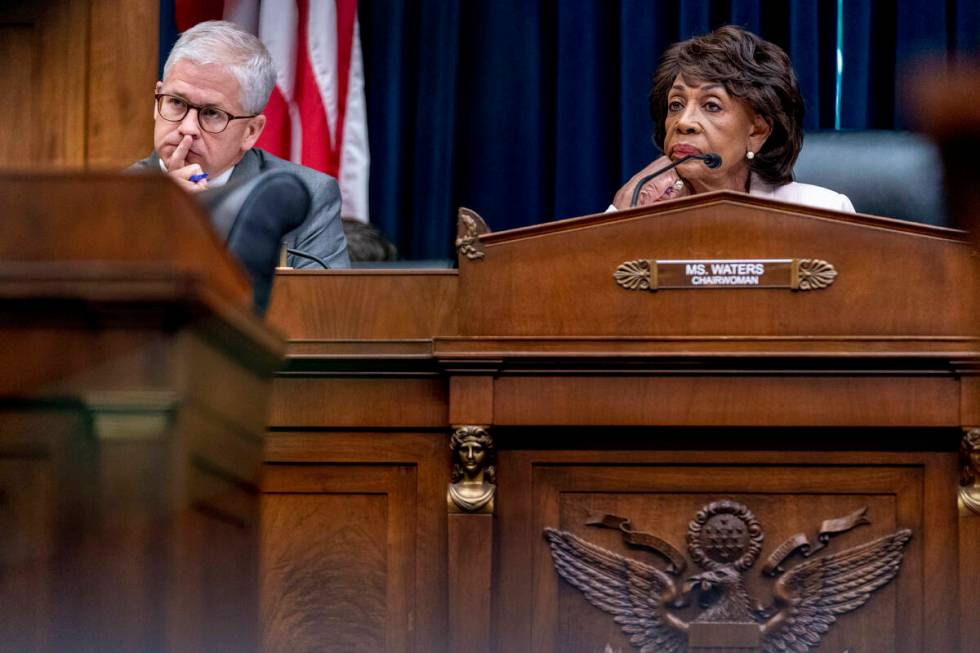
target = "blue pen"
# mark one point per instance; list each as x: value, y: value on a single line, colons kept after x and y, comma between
x: 196, y: 178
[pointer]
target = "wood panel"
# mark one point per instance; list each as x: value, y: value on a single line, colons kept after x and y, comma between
x: 26, y: 517
x: 110, y: 528
x: 327, y: 569
x: 721, y: 400
x: 33, y: 492
x: 969, y: 592
x: 470, y: 582
x: 61, y: 84
x: 122, y: 68
x: 354, y: 542
x: 218, y: 585
x: 17, y: 105
x: 77, y: 74
x: 471, y: 400
x: 788, y: 493
x: 944, y: 99
x: 557, y: 279
x: 386, y: 304
x: 52, y: 46
x: 345, y: 402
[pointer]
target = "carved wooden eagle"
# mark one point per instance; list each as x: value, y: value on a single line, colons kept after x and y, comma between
x: 808, y: 598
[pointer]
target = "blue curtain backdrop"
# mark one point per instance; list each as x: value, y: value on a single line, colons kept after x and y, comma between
x: 528, y: 111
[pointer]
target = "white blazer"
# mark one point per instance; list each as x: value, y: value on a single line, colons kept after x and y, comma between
x: 807, y: 194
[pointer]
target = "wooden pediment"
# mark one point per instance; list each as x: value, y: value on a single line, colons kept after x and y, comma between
x: 896, y: 282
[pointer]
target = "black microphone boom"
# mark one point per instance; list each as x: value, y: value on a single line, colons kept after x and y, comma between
x: 711, y: 159
x: 300, y: 253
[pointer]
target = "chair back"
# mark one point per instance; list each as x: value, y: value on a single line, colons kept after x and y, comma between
x: 888, y: 173
x: 253, y: 217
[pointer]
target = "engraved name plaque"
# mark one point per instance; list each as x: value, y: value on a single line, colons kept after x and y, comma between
x: 792, y: 273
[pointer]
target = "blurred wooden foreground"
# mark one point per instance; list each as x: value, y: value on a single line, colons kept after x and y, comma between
x: 133, y: 389
x: 133, y: 385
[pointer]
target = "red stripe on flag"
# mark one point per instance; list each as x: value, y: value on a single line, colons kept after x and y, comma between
x: 346, y: 15
x: 188, y: 13
x: 277, y: 135
x: 317, y: 148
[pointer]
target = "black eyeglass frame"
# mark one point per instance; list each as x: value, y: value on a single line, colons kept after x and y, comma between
x: 159, y: 96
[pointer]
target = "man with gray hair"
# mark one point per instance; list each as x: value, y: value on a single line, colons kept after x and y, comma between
x: 208, y: 117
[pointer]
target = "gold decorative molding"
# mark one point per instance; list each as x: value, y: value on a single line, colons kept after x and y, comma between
x: 640, y: 274
x: 812, y: 274
x: 725, y: 540
x: 469, y: 227
x: 473, y: 483
x: 969, y: 492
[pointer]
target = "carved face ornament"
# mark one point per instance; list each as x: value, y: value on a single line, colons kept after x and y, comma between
x: 471, y: 455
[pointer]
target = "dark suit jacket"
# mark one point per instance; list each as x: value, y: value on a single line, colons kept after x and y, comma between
x: 321, y: 234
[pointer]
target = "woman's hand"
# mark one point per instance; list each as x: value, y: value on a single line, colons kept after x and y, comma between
x: 656, y: 190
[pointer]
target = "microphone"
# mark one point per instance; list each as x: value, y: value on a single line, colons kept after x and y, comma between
x: 312, y: 257
x: 711, y: 159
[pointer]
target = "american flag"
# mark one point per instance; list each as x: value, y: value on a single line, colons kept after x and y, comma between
x: 317, y: 114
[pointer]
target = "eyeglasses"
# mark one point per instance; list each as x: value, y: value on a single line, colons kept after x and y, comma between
x: 211, y: 119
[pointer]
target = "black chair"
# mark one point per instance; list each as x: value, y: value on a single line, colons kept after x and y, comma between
x: 888, y: 173
x: 253, y: 217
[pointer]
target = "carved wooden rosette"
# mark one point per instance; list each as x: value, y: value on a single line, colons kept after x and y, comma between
x: 969, y: 492
x: 469, y: 227
x: 473, y: 482
x: 637, y: 275
x: 812, y: 274
x: 724, y: 533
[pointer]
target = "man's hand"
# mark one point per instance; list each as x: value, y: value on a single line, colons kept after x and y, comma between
x: 180, y: 172
x: 657, y: 189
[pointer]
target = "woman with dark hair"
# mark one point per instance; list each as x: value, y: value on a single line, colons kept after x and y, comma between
x: 734, y: 94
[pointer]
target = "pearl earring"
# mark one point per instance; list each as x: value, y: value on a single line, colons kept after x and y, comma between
x: 750, y: 155
x: 679, y: 184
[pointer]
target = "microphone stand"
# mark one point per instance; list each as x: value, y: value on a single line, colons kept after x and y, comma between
x: 711, y: 160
